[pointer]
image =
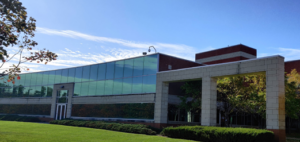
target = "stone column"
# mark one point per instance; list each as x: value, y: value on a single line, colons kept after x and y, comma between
x: 53, y: 102
x: 70, y: 88
x: 209, y: 102
x: 275, y: 92
x: 161, y: 104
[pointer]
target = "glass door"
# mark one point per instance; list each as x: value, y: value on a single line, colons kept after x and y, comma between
x: 61, y: 104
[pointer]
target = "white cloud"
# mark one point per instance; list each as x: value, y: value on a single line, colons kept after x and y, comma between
x: 180, y: 50
x: 71, y: 58
x: 287, y: 53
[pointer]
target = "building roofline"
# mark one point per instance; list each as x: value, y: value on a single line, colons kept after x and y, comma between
x: 292, y: 60
x: 180, y: 58
x: 115, y: 61
x: 95, y: 63
x: 223, y: 48
x: 223, y: 63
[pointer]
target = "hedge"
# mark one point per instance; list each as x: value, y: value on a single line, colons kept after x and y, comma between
x: 218, y: 134
x: 19, y: 118
x: 130, y: 128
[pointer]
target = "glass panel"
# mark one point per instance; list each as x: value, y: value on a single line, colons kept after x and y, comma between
x: 117, y: 86
x: 27, y: 79
x: 37, y: 91
x: 15, y: 91
x: 108, y: 87
x: 128, y: 68
x: 150, y: 64
x: 44, y: 91
x: 31, y: 91
x: 58, y: 76
x: 37, y: 109
x: 62, y: 93
x: 45, y: 78
x: 84, y: 89
x: 86, y: 73
x: 21, y: 91
x: 39, y: 79
x: 51, y: 77
x: 33, y: 79
x: 101, y: 71
x: 78, y: 74
x: 127, y: 84
x: 26, y: 91
x: 49, y: 90
x: 94, y: 72
x: 64, y: 76
x: 138, y: 66
x: 100, y: 87
x: 17, y: 82
x: 71, y: 74
x: 22, y: 79
x: 137, y: 111
x: 119, y: 67
x: 110, y: 68
x: 77, y: 89
x: 137, y: 84
x: 92, y: 88
x: 149, y: 84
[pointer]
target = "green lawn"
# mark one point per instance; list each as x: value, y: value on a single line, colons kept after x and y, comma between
x: 35, y: 132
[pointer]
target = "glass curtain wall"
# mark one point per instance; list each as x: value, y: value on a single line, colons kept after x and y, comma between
x: 131, y: 76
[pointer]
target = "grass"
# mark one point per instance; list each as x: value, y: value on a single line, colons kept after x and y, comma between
x: 35, y: 132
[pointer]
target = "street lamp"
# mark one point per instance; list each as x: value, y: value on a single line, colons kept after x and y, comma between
x: 149, y: 50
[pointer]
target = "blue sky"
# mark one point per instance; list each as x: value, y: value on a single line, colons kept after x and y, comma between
x: 94, y: 31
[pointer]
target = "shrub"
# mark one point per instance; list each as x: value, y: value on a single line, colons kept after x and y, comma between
x: 19, y: 118
x: 130, y: 128
x: 219, y: 134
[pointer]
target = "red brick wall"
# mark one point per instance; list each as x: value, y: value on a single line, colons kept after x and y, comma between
x: 226, y: 50
x: 165, y: 60
x: 289, y: 66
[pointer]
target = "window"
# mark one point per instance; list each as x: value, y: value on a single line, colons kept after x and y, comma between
x: 136, y: 111
x: 92, y: 88
x: 45, y: 78
x: 58, y: 76
x: 101, y: 71
x: 117, y: 86
x: 138, y: 66
x: 149, y: 84
x: 128, y: 68
x: 137, y: 84
x: 64, y: 76
x: 110, y: 70
x: 108, y: 90
x: 71, y: 74
x: 150, y: 64
x: 78, y: 74
x: 127, y: 84
x: 94, y: 73
x: 119, y: 67
x: 86, y: 73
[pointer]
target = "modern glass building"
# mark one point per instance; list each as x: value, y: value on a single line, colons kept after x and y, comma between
x: 131, y: 76
x: 123, y: 89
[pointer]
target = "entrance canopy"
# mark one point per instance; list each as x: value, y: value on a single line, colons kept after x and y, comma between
x: 273, y: 66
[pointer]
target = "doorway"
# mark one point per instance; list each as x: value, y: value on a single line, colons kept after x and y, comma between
x: 61, y: 104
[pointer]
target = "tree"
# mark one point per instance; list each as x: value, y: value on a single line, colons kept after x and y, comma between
x: 242, y: 94
x: 17, y: 31
x: 192, y: 90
